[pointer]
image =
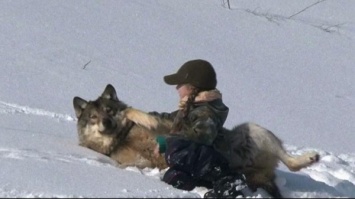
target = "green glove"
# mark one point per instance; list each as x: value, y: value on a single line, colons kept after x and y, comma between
x: 161, y: 140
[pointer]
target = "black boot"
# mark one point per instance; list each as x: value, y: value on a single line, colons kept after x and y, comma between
x: 229, y: 186
x: 179, y: 179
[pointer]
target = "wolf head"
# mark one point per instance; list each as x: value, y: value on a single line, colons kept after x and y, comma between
x: 101, y: 121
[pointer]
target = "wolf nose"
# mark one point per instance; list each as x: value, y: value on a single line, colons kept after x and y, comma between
x: 107, y: 123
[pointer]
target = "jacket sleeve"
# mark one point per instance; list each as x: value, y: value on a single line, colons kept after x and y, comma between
x: 201, y: 125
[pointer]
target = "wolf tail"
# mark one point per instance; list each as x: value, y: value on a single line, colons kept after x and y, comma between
x: 265, y: 139
x: 296, y: 163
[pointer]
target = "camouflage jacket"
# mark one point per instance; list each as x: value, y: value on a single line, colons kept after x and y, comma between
x: 203, y: 123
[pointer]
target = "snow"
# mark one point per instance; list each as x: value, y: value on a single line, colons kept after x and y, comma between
x: 292, y: 75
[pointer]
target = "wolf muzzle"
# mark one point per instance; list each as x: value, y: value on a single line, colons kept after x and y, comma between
x: 109, y: 126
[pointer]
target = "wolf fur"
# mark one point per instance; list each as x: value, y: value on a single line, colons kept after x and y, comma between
x: 127, y: 135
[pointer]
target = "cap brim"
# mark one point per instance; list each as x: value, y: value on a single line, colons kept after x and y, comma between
x: 172, y: 79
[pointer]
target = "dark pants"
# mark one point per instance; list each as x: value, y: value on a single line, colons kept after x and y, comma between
x: 192, y: 164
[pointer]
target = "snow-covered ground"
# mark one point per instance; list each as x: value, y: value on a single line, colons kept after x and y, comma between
x: 291, y: 73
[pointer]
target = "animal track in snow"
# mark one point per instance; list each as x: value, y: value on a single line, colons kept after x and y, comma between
x: 13, y: 193
x: 329, y: 171
x: 9, y: 108
x: 22, y: 154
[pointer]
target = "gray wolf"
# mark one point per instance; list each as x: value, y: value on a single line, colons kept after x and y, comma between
x: 127, y: 135
x: 108, y: 126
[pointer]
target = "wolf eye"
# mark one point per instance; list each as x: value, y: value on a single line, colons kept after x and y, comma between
x: 107, y: 109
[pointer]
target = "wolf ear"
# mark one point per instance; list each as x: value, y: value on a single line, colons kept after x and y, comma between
x: 79, y: 106
x: 110, y: 93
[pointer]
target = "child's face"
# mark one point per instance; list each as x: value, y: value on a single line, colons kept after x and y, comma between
x: 183, y: 90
